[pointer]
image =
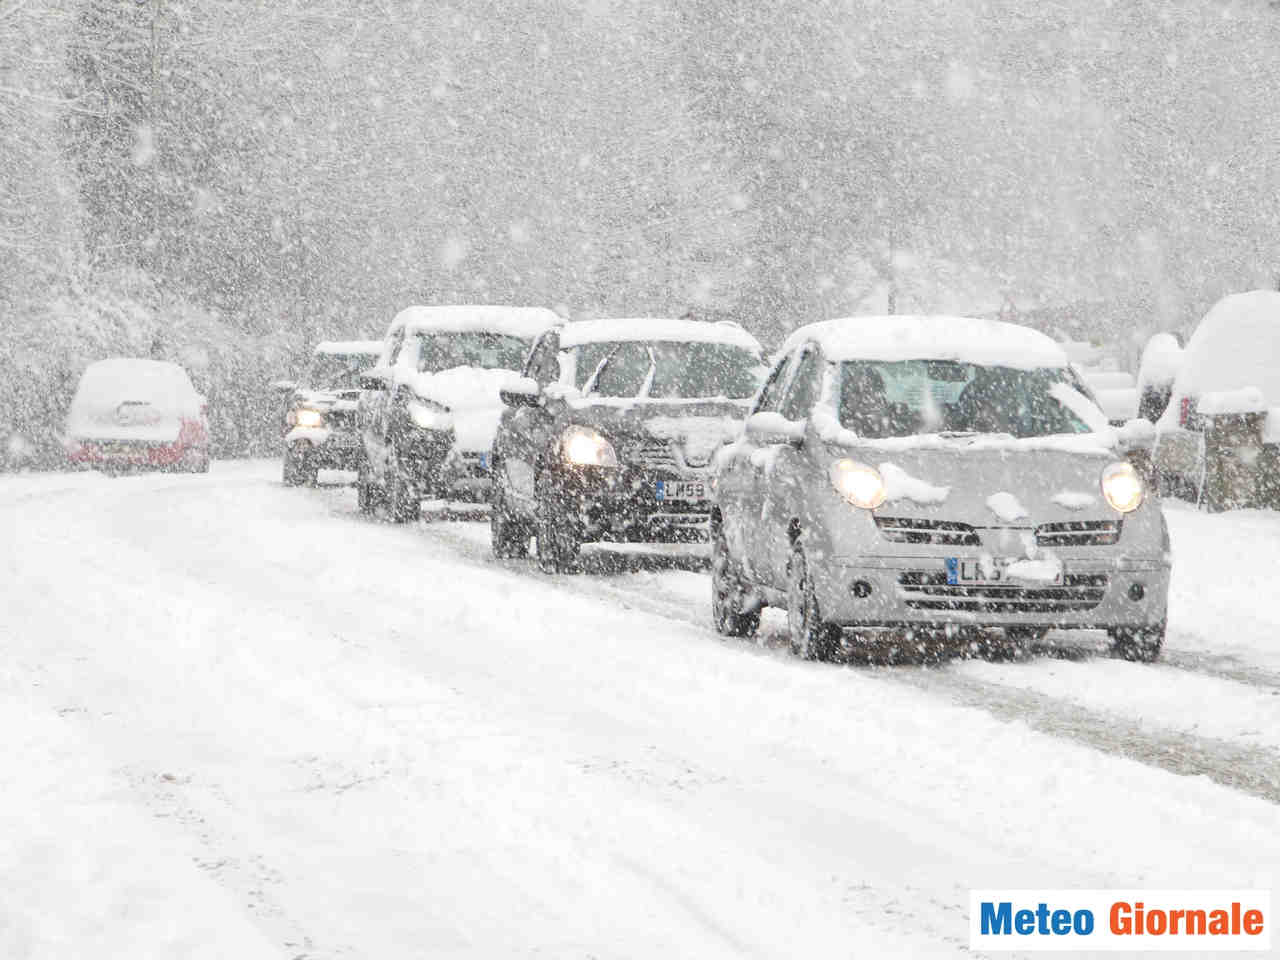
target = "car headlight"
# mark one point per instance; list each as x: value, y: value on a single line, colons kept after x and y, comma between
x: 1122, y: 486
x: 859, y: 484
x: 428, y: 415
x: 587, y: 448
x: 309, y: 418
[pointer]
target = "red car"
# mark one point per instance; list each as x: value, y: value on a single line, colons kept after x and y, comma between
x: 130, y: 414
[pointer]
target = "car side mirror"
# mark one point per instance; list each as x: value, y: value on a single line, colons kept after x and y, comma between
x: 523, y: 392
x: 771, y: 429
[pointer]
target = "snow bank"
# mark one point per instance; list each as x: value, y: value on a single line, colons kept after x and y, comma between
x: 526, y: 322
x: 900, y: 485
x: 966, y: 339
x: 656, y: 328
x: 1006, y: 506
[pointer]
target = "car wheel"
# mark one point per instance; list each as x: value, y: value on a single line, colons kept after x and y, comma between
x: 812, y: 638
x: 1140, y: 644
x: 510, y: 534
x: 728, y: 591
x: 404, y: 501
x: 558, y: 542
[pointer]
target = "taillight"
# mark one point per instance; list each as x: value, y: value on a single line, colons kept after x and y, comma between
x: 1186, y: 407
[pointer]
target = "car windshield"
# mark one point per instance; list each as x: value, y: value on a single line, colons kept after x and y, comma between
x: 881, y: 399
x: 667, y: 370
x: 488, y: 351
x: 338, y: 371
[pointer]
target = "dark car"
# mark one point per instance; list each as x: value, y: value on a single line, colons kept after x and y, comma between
x: 321, y: 420
x: 429, y: 408
x: 609, y: 435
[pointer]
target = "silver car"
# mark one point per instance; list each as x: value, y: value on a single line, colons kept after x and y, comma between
x: 902, y: 479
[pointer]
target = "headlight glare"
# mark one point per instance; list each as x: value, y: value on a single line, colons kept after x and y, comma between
x: 309, y: 418
x: 427, y: 415
x: 587, y: 448
x: 1122, y: 486
x: 858, y: 483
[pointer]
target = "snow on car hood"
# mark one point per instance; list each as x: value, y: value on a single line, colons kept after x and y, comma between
x: 699, y: 437
x: 471, y: 393
x: 992, y: 486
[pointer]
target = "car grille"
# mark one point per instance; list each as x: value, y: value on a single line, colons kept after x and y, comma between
x: 1078, y: 533
x: 930, y: 591
x: 916, y: 530
x: 657, y: 455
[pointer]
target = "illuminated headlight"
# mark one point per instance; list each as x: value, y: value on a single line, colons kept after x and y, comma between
x: 859, y: 484
x: 309, y: 418
x: 427, y: 415
x: 1122, y: 486
x: 587, y: 448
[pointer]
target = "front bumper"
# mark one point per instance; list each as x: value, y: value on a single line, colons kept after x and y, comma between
x: 325, y: 447
x: 621, y: 505
x: 1095, y: 593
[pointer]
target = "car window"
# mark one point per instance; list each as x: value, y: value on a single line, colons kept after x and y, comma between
x: 624, y: 372
x: 474, y: 348
x: 544, y: 360
x: 771, y: 395
x: 803, y: 391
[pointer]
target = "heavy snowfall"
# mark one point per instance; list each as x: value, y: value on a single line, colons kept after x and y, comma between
x: 684, y: 478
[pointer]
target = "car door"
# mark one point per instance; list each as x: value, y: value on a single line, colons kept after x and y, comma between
x: 780, y: 476
x: 740, y: 485
x: 525, y: 434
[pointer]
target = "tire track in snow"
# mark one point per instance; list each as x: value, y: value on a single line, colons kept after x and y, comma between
x: 1245, y: 768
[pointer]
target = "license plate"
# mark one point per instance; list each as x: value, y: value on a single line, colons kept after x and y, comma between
x: 682, y: 490
x: 963, y: 570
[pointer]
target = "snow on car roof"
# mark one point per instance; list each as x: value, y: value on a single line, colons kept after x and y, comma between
x: 135, y: 373
x: 657, y: 328
x: 512, y: 321
x: 1235, y: 346
x: 901, y: 337
x: 348, y: 347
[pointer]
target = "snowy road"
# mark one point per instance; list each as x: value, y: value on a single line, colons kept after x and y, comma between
x: 242, y: 721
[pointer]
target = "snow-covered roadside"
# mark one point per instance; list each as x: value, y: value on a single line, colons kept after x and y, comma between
x: 1223, y: 596
x: 386, y: 749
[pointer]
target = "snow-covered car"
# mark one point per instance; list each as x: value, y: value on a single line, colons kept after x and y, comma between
x: 321, y: 421
x: 1218, y: 438
x: 905, y: 478
x: 1161, y: 359
x: 132, y: 413
x: 609, y: 435
x: 429, y: 408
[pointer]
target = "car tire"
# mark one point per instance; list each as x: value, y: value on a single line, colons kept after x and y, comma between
x: 559, y: 545
x: 811, y: 637
x: 404, y: 500
x: 1138, y: 644
x: 510, y: 534
x: 728, y: 591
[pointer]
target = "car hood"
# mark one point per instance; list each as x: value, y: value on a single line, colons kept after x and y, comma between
x: 991, y: 486
x: 696, y: 427
x: 472, y: 395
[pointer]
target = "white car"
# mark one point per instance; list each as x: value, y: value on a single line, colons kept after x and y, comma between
x: 131, y: 413
x: 1223, y: 416
x: 429, y: 409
